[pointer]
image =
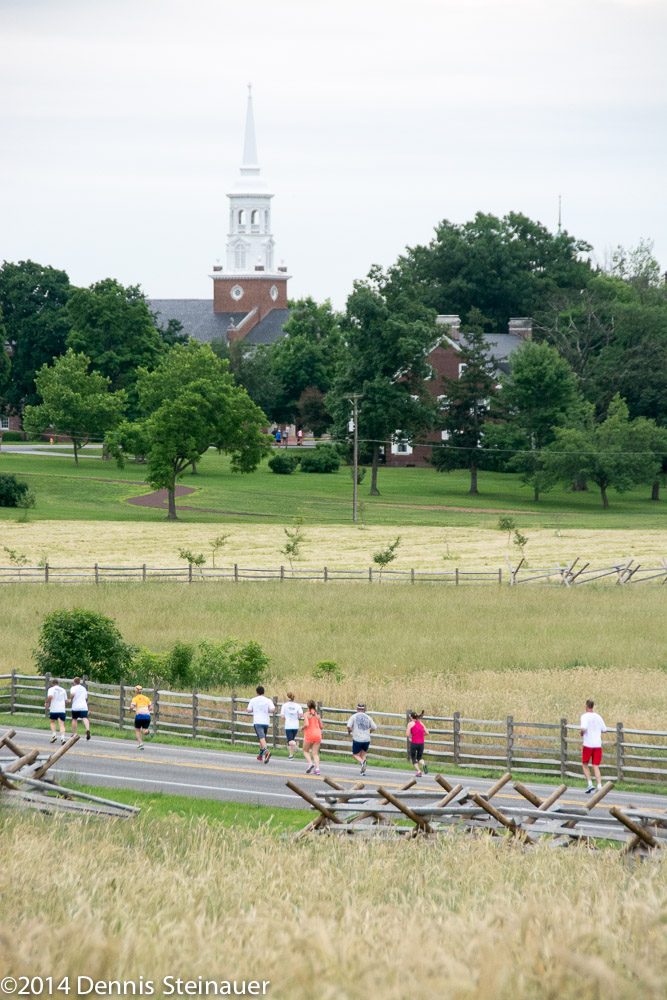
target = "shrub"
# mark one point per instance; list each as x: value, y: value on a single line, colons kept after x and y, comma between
x: 12, y: 436
x: 224, y: 664
x: 83, y: 642
x: 283, y: 464
x: 178, y: 665
x: 323, y: 458
x: 13, y: 491
x: 327, y: 670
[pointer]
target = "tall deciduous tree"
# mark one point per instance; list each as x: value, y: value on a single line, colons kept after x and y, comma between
x: 537, y: 396
x: 466, y: 403
x: 190, y: 402
x: 76, y: 402
x: 504, y: 267
x: 389, y: 335
x: 617, y: 453
x: 113, y: 325
x: 33, y: 300
x: 5, y: 362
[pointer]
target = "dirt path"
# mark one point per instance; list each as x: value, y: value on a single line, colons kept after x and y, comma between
x: 159, y: 499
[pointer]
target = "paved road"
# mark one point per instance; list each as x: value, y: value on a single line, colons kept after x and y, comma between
x: 239, y: 777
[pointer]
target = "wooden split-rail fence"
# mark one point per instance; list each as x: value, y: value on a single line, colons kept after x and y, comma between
x: 492, y: 745
x: 442, y: 808
x: 574, y: 573
x: 25, y: 783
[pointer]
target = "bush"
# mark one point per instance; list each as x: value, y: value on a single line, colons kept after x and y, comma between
x: 14, y: 492
x: 327, y: 670
x: 323, y: 458
x: 12, y: 436
x: 83, y: 642
x: 225, y: 664
x: 283, y: 464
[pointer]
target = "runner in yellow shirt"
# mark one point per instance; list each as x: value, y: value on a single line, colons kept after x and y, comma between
x: 142, y: 707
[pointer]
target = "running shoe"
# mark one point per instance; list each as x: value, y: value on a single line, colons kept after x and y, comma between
x: 63, y: 739
x: 590, y: 789
x: 425, y: 768
x: 267, y: 756
x: 316, y: 771
x: 260, y: 756
x: 141, y: 746
x: 363, y: 768
x: 88, y: 734
x: 291, y: 758
x: 311, y: 767
x: 53, y: 738
x: 419, y: 775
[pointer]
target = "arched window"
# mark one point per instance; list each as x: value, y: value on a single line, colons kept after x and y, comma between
x: 241, y: 217
x: 254, y: 218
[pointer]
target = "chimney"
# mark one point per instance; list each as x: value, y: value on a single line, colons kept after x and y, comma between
x: 521, y: 326
x: 453, y: 323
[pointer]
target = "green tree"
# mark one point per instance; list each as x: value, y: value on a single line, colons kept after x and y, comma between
x: 76, y: 402
x: 312, y: 411
x: 252, y: 367
x: 114, y: 327
x: 190, y: 402
x: 467, y: 403
x: 618, y: 452
x: 33, y: 302
x: 537, y: 396
x: 389, y: 335
x: 503, y: 267
x: 85, y: 643
x: 306, y: 357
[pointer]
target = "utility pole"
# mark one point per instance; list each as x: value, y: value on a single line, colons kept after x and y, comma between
x: 354, y: 399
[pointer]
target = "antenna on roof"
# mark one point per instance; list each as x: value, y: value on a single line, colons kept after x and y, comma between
x: 559, y: 213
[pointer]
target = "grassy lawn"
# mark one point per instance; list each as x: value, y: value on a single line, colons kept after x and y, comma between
x: 409, y: 497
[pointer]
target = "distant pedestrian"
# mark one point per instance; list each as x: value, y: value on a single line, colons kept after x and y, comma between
x: 360, y: 726
x: 56, y: 702
x: 278, y: 437
x: 142, y: 707
x: 592, y: 728
x: 292, y: 713
x: 261, y: 708
x: 79, y: 695
x: 415, y: 732
x: 312, y: 738
x: 299, y: 437
x: 286, y: 436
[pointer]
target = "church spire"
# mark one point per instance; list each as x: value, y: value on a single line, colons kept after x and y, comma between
x: 250, y: 160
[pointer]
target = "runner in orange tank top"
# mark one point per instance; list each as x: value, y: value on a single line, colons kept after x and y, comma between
x: 312, y: 738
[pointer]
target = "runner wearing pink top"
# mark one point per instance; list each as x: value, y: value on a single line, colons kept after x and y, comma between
x: 415, y: 732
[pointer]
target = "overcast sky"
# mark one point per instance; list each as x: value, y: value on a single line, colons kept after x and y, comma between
x: 122, y: 121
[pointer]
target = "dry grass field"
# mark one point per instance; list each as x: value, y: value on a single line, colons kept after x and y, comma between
x: 484, y: 651
x: 322, y: 919
x: 124, y: 543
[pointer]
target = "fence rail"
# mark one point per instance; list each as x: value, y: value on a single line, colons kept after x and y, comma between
x: 547, y: 748
x: 572, y: 574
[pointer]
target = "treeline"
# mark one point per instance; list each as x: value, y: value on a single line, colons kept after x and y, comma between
x: 584, y: 402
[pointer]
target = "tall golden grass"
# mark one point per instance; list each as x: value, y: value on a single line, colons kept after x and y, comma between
x: 484, y: 651
x: 459, y: 919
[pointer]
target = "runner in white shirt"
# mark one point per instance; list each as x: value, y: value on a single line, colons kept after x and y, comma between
x: 56, y: 700
x: 592, y: 728
x: 79, y: 695
x: 261, y: 709
x: 292, y: 713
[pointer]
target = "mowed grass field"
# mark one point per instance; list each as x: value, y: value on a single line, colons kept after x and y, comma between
x: 484, y: 651
x: 461, y: 919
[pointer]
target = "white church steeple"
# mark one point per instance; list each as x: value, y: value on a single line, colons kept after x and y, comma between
x: 250, y: 246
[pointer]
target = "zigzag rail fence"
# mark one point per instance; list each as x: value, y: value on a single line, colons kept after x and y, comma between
x: 571, y: 574
x: 509, y: 744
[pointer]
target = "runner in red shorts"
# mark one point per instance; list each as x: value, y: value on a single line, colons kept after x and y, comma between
x: 592, y: 728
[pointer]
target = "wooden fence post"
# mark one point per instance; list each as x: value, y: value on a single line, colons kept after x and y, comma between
x: 121, y: 705
x: 563, y: 748
x: 12, y: 693
x: 47, y: 685
x: 97, y: 574
x: 143, y: 573
x: 195, y: 713
x: 457, y: 738
x: 456, y: 576
x: 236, y: 572
x: 510, y: 742
x: 233, y: 719
x: 326, y: 575
x: 275, y: 722
x: 620, y: 751
x: 282, y: 574
x: 46, y: 572
x: 500, y: 575
x: 412, y: 575
x: 407, y: 738
x: 156, y: 709
x: 370, y: 574
x: 189, y: 572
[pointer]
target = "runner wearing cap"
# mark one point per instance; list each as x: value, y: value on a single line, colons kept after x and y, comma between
x: 360, y: 726
x: 142, y: 707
